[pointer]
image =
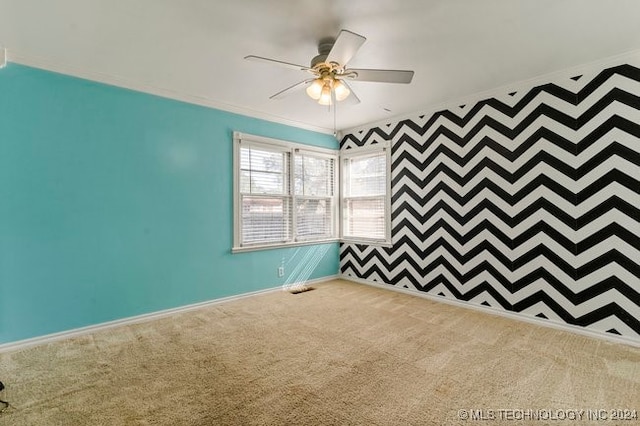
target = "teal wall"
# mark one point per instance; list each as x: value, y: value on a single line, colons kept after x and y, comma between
x: 115, y: 203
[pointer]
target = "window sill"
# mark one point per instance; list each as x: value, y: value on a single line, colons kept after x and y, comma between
x: 364, y: 241
x: 258, y: 247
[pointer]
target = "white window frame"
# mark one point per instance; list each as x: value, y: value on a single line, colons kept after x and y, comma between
x: 333, y: 199
x: 384, y: 147
x: 294, y: 149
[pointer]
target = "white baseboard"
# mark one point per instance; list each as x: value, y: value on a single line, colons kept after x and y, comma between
x: 512, y: 315
x: 54, y: 337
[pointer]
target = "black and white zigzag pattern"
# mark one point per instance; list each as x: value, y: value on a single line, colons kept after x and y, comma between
x: 528, y: 203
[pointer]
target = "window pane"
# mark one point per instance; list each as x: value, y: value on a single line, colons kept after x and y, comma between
x: 313, y: 176
x: 265, y: 219
x: 365, y: 200
x: 365, y: 218
x: 263, y: 171
x: 366, y: 176
x: 267, y: 183
x: 286, y: 192
x: 314, y: 218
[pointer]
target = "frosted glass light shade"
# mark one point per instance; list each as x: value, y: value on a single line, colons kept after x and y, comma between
x: 325, y: 96
x: 341, y: 89
x: 315, y: 89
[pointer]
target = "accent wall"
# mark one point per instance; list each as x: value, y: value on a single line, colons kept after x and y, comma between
x: 527, y: 201
x: 116, y: 203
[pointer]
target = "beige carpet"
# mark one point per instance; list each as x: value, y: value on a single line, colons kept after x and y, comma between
x: 342, y: 354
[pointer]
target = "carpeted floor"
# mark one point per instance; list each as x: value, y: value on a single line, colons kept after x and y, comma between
x: 342, y: 354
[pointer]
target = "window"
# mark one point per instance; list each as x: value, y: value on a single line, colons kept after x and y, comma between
x: 366, y: 194
x: 285, y: 193
x: 264, y: 192
x: 314, y: 192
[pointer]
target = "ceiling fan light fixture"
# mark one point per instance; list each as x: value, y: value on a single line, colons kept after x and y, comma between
x: 330, y: 71
x: 341, y: 89
x: 315, y: 89
x: 325, y: 96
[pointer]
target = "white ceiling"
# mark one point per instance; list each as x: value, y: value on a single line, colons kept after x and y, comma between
x: 194, y: 49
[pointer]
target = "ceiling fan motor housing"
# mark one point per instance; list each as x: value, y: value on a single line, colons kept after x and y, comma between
x: 324, y: 47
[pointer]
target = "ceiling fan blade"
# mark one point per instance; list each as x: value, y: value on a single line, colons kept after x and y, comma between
x: 281, y: 94
x: 352, y: 99
x: 345, y: 47
x: 276, y: 62
x: 382, y: 76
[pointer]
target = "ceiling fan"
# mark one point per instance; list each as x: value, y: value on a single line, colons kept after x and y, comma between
x: 329, y: 71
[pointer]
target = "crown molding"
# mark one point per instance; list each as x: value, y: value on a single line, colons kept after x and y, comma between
x: 113, y: 80
x: 632, y: 55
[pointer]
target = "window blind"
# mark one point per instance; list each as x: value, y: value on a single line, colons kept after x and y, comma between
x: 314, y: 178
x: 264, y: 195
x: 365, y: 198
x: 284, y: 193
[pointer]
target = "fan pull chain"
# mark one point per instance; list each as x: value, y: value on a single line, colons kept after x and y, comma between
x: 335, y: 107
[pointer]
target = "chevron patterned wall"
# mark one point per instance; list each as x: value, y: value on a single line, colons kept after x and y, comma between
x: 527, y: 202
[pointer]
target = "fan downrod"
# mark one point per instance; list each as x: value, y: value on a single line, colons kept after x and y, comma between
x: 324, y: 47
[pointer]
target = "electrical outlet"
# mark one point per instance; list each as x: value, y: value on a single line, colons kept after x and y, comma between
x: 281, y: 271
